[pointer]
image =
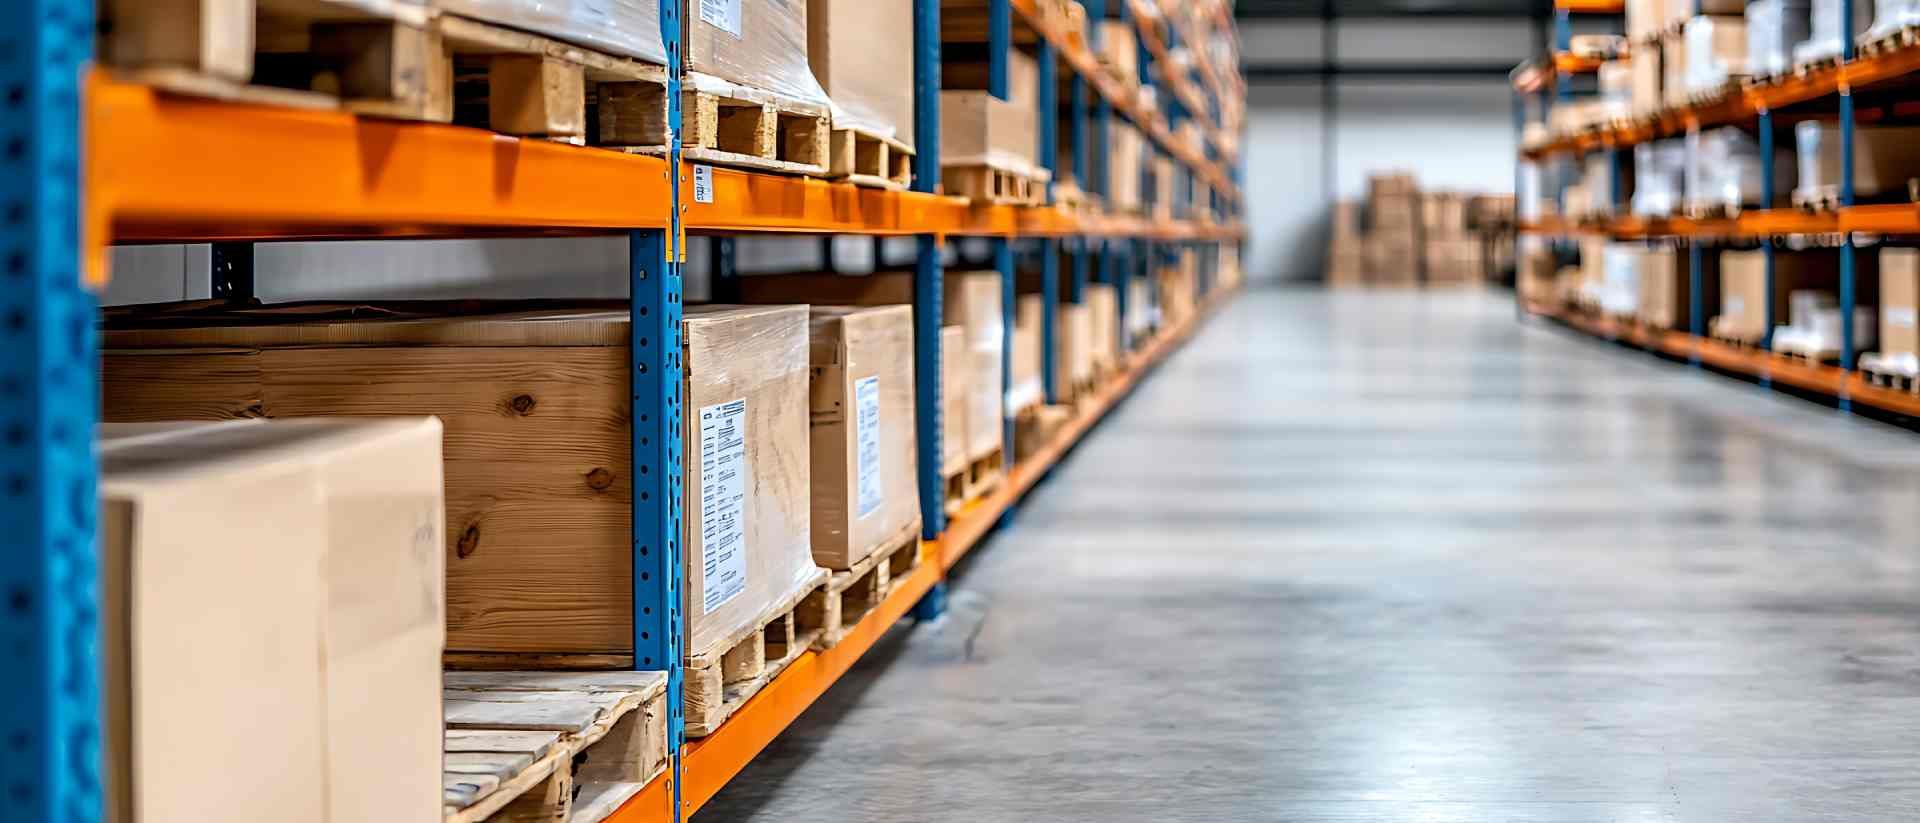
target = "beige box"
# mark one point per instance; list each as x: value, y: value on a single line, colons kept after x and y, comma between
x: 1125, y: 156
x: 1394, y: 213
x: 1120, y: 50
x: 1073, y: 348
x: 1027, y: 388
x: 1443, y: 215
x: 1666, y: 287
x: 1678, y: 11
x: 865, y: 484
x: 871, y: 88
x: 536, y: 405
x: 970, y: 300
x: 1743, y: 288
x: 1645, y: 19
x: 1141, y: 318
x: 628, y: 28
x: 273, y: 619
x: 1673, y: 70
x: 1454, y: 261
x: 1884, y: 158
x: 1103, y: 313
x: 956, y: 377
x: 1899, y: 301
x: 977, y: 128
x: 1648, y: 76
x: 1163, y: 187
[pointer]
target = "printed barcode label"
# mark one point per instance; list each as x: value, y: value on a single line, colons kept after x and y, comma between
x: 722, y: 14
x: 702, y: 184
x: 866, y: 404
x: 1902, y: 316
x: 723, y: 503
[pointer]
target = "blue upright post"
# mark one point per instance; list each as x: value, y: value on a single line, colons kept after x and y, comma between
x: 1049, y: 305
x: 928, y: 284
x: 1696, y: 302
x: 1767, y: 249
x: 1048, y: 115
x: 1847, y: 264
x: 1077, y: 131
x: 999, y: 46
x: 50, y: 761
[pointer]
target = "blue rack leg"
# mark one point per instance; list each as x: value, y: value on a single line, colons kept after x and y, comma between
x: 1049, y: 307
x: 1696, y: 302
x: 932, y: 604
x: 50, y: 735
x: 655, y: 369
x: 1003, y: 263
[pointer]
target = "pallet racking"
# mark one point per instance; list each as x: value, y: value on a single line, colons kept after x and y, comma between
x: 90, y: 161
x: 1856, y: 84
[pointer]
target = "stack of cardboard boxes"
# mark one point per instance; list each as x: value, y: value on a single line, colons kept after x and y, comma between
x: 1346, y: 265
x: 1393, y: 229
x: 1409, y: 238
x: 1453, y: 255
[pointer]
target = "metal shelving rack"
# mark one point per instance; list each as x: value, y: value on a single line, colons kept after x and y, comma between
x: 154, y: 168
x: 1766, y: 109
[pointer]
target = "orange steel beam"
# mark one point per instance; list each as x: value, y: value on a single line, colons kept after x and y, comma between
x: 164, y: 167
x: 746, y: 201
x: 1591, y: 6
x: 708, y: 764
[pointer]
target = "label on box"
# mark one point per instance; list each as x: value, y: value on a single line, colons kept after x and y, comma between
x: 722, y: 14
x: 723, y: 503
x: 866, y: 415
x: 1902, y: 316
x: 1736, y: 306
x: 702, y: 184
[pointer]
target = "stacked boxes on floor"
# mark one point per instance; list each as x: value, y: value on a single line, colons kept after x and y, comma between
x: 273, y: 618
x: 1393, y: 230
x: 538, y: 450
x: 1346, y: 246
x: 1453, y: 255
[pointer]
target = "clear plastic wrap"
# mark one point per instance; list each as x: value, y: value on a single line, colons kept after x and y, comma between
x: 1774, y: 27
x: 1619, y: 288
x: 1724, y: 170
x: 630, y: 28
x: 1890, y: 16
x: 1659, y: 177
x: 1825, y: 29
x: 871, y: 87
x: 1616, y: 89
x: 757, y: 44
x: 1716, y: 51
x: 865, y: 483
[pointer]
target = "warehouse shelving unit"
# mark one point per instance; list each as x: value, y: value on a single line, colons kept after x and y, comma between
x: 91, y: 161
x: 1883, y: 79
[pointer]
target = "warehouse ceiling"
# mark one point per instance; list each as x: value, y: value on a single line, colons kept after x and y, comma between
x: 1284, y: 9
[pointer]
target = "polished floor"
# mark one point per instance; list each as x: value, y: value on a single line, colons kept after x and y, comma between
x: 1393, y: 557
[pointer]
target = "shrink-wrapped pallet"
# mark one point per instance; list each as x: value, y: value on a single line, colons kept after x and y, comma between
x: 627, y: 28
x: 1724, y: 171
x: 870, y: 83
x: 1774, y: 27
x: 865, y: 484
x: 1659, y: 177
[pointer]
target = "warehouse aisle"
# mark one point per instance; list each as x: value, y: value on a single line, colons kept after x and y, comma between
x: 1394, y: 557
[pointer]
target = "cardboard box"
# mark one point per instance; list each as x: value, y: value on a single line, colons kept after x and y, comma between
x: 865, y: 482
x: 1142, y: 315
x: 1126, y: 150
x: 1103, y: 313
x: 1645, y: 19
x: 761, y: 44
x: 1673, y: 70
x: 1899, y: 301
x: 1027, y: 388
x: 1443, y: 215
x: 626, y: 28
x: 956, y: 375
x: 273, y: 619
x: 1743, y: 288
x: 538, y: 449
x: 1884, y: 158
x: 1390, y: 184
x: 1648, y: 76
x: 970, y: 300
x: 871, y: 88
x: 1454, y: 261
x: 1392, y: 261
x: 1678, y: 11
x: 978, y: 129
x: 1666, y: 287
x: 1120, y: 50
x: 1073, y: 349
x: 1393, y: 212
x: 1163, y: 187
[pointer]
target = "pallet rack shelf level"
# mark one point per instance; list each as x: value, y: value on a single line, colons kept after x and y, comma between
x: 157, y: 167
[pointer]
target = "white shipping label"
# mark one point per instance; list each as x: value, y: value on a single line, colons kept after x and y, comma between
x: 866, y: 405
x: 1736, y: 306
x: 723, y: 503
x: 1902, y: 316
x: 721, y: 14
x: 702, y: 184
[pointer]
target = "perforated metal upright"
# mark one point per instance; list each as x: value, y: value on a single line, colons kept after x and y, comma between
x: 50, y: 737
x: 928, y: 283
x: 1848, y: 265
x: 999, y: 56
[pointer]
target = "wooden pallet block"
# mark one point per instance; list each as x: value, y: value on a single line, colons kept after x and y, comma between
x: 550, y: 745
x: 1905, y: 37
x: 526, y: 85
x: 378, y: 55
x: 849, y: 595
x: 720, y: 680
x: 985, y: 472
x: 995, y: 185
x: 1712, y: 211
x: 731, y: 125
x: 869, y: 160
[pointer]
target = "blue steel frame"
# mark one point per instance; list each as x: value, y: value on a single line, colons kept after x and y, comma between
x: 655, y: 291
x: 928, y: 285
x: 50, y: 736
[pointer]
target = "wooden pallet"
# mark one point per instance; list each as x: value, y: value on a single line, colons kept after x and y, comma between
x: 732, y: 125
x: 372, y: 55
x: 849, y: 595
x: 1712, y: 211
x: 869, y: 160
x: 1813, y: 67
x: 996, y: 184
x: 553, y: 746
x: 1718, y: 95
x: 973, y: 481
x: 1877, y: 374
x: 1824, y: 357
x: 1905, y: 37
x: 720, y: 680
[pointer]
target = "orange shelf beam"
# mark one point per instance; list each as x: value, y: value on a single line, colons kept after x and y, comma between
x: 708, y: 764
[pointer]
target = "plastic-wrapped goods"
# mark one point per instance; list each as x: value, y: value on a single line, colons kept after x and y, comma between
x: 1659, y: 177
x: 1744, y: 299
x: 1825, y: 30
x: 1773, y: 28
x: 1884, y: 159
x: 1528, y: 200
x: 538, y: 449
x: 1724, y: 170
x: 630, y: 28
x: 871, y: 88
x: 1616, y: 89
x: 1817, y: 326
x: 760, y: 44
x: 1619, y: 291
x: 1666, y: 287
x: 1645, y: 19
x: 1890, y: 16
x: 1716, y: 52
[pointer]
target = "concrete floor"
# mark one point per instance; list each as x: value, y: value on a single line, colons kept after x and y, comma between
x: 1390, y: 557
